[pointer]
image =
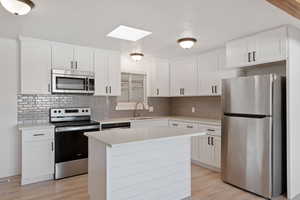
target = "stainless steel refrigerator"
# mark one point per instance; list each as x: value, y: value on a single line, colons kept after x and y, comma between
x: 252, y: 133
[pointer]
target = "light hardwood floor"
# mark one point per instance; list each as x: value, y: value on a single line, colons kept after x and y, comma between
x: 206, y: 185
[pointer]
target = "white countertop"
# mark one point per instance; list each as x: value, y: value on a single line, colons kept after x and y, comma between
x: 179, y: 118
x: 35, y: 125
x: 114, y: 137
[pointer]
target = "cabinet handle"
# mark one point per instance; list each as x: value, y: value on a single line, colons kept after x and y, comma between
x: 249, y: 56
x: 254, y: 56
x: 210, y: 130
x: 49, y: 89
x: 182, y: 91
x: 208, y: 140
x: 216, y: 89
x: 175, y: 124
x: 212, y: 141
x: 109, y: 89
x: 40, y: 134
x: 52, y: 146
x: 190, y: 126
x: 212, y: 89
x: 157, y: 91
x: 106, y: 89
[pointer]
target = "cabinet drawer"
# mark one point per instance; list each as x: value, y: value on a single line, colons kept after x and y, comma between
x: 180, y: 124
x: 40, y: 134
x: 211, y: 130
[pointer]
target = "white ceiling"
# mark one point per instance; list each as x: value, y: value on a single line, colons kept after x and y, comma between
x: 87, y: 22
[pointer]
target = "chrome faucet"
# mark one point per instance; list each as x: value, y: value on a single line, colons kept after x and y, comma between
x: 136, y: 107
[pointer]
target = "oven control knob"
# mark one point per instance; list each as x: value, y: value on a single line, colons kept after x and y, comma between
x: 55, y: 111
x: 86, y: 111
x: 82, y: 111
x: 59, y: 111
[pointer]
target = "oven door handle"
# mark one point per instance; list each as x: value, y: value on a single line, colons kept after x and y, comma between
x: 76, y: 128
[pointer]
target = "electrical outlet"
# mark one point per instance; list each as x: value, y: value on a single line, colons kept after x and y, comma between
x: 193, y: 109
x: 151, y: 108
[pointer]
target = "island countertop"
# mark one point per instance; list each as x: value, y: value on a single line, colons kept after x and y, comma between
x: 115, y: 137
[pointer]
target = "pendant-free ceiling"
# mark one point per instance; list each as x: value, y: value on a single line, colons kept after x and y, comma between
x: 18, y: 7
x: 136, y: 56
x: 187, y: 43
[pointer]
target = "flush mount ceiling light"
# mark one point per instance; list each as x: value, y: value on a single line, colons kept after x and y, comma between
x: 128, y: 33
x: 187, y: 43
x: 18, y: 7
x: 136, y: 56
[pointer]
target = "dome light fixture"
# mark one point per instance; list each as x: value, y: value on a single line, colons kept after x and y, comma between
x: 187, y: 43
x: 136, y: 56
x: 18, y: 7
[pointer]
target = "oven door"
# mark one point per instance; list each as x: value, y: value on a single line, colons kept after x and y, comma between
x: 71, y: 153
x: 69, y: 84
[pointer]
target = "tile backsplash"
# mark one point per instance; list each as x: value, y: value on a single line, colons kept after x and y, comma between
x: 36, y: 107
x: 205, y: 107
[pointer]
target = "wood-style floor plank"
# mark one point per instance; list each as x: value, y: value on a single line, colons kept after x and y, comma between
x: 206, y: 185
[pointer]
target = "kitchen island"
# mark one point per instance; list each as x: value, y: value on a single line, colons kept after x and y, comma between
x: 140, y: 163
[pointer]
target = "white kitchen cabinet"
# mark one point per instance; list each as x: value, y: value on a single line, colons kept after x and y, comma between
x: 107, y: 73
x: 35, y: 59
x: 265, y: 47
x: 160, y: 79
x: 84, y: 58
x: 271, y: 45
x: 62, y: 56
x: 183, y: 77
x: 210, y: 85
x: 65, y: 56
x: 37, y: 155
x: 216, y: 152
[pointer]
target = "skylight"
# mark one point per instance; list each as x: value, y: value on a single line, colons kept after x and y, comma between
x: 128, y: 33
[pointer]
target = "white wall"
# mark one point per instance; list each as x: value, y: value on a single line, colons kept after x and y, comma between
x: 9, y: 137
x: 293, y: 115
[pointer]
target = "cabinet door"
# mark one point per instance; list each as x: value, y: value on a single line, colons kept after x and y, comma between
x: 210, y: 84
x: 271, y: 45
x: 62, y: 56
x: 101, y: 73
x: 114, y: 74
x: 216, y: 152
x: 37, y: 159
x: 161, y: 79
x: 204, y: 150
x: 208, y: 62
x: 84, y: 58
x: 33, y: 64
x: 184, y: 77
x: 237, y: 53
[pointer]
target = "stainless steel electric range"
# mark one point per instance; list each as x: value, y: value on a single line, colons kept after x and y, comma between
x: 71, y: 146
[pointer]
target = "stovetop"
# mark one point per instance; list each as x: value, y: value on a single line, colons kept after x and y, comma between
x: 75, y: 123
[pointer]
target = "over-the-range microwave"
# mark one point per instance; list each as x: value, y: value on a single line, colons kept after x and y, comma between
x: 72, y: 82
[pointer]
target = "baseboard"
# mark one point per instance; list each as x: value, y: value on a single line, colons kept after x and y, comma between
x: 207, y: 166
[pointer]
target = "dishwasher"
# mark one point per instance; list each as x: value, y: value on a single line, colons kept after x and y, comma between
x: 115, y: 125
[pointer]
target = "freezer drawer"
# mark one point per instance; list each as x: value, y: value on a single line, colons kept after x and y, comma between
x: 248, y: 95
x: 246, y: 153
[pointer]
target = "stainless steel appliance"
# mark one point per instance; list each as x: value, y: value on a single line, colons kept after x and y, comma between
x: 73, y: 81
x: 71, y: 146
x: 252, y: 133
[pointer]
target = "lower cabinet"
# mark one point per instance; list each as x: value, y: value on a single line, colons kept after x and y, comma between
x: 37, y: 155
x: 207, y: 150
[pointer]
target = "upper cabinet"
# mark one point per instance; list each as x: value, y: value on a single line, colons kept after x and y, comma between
x: 183, y: 77
x: 107, y: 73
x: 32, y: 64
x: 65, y: 56
x: 160, y: 81
x: 264, y: 47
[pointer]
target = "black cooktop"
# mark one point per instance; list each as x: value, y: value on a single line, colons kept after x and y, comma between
x: 75, y: 123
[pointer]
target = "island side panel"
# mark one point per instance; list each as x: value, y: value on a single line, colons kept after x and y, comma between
x: 159, y: 169
x: 97, y: 175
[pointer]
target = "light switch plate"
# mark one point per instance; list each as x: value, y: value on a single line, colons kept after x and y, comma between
x: 151, y: 108
x: 193, y: 109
